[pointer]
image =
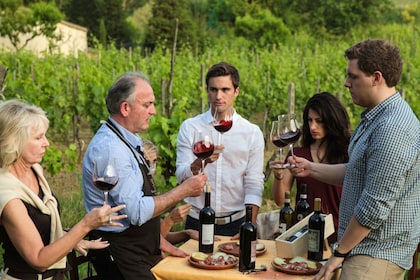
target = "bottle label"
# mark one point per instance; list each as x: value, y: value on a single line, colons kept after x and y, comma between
x: 313, y: 240
x: 207, y: 234
x: 253, y: 251
x: 282, y: 228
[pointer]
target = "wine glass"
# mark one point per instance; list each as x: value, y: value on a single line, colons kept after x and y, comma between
x: 105, y: 175
x: 203, y: 146
x: 275, y: 139
x: 222, y: 125
x: 289, y: 130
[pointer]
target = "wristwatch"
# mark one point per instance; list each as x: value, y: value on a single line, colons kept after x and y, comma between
x: 336, y: 253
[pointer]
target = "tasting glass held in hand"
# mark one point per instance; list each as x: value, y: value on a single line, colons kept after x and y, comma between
x: 275, y: 139
x: 104, y: 174
x: 222, y: 123
x: 289, y: 130
x: 203, y: 146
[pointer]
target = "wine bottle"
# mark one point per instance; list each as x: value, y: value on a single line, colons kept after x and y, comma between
x: 247, y: 242
x: 302, y: 206
x: 206, y: 229
x: 316, y: 227
x: 297, y: 234
x: 286, y: 215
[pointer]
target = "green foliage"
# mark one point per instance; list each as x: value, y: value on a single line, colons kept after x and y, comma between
x: 55, y: 161
x: 33, y: 20
x: 72, y: 91
x: 262, y: 27
x: 411, y: 13
x: 167, y: 16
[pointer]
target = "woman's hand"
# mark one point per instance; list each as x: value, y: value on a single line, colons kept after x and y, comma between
x: 104, y: 216
x: 278, y: 172
x: 84, y: 245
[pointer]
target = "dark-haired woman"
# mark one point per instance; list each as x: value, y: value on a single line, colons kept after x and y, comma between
x: 325, y: 138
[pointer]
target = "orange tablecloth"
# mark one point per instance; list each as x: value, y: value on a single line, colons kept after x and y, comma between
x: 172, y: 268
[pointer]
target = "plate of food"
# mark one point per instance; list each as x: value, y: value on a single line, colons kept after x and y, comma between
x: 217, y: 261
x: 296, y: 265
x: 233, y: 248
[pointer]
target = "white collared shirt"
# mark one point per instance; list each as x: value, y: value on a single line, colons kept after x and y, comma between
x: 236, y: 178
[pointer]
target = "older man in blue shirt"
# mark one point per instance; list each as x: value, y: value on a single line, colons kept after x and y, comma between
x: 135, y: 247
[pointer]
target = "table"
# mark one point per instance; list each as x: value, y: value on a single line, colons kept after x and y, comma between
x: 173, y: 268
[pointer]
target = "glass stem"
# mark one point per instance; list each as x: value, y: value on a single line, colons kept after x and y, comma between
x: 106, y: 198
x: 202, y: 165
x: 291, y: 152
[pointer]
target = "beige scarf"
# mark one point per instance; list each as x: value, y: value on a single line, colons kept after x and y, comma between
x: 11, y: 188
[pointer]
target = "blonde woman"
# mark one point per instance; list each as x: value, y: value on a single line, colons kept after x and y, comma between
x: 35, y: 245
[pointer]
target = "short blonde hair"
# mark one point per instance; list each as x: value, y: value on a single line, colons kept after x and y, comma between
x: 18, y: 120
x: 149, y: 148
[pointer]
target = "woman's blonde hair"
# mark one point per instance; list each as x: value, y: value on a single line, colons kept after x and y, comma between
x: 149, y: 148
x: 18, y: 120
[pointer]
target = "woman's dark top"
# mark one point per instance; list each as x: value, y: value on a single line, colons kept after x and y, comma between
x: 11, y: 257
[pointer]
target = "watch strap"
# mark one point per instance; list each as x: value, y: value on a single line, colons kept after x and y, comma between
x: 338, y: 254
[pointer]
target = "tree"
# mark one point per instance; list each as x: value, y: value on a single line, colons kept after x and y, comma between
x: 161, y: 26
x: 105, y: 19
x: 262, y: 27
x: 338, y: 16
x: 33, y: 20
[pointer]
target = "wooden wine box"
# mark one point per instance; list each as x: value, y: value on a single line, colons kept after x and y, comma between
x: 299, y: 246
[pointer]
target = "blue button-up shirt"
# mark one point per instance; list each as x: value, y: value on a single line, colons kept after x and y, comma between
x: 382, y: 182
x: 128, y: 191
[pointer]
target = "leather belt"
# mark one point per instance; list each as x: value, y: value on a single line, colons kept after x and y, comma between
x: 220, y: 220
x: 32, y: 276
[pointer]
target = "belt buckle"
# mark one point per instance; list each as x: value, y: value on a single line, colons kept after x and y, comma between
x: 222, y: 221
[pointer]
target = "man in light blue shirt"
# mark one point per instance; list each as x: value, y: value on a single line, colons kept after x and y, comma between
x: 135, y: 247
x: 379, y: 222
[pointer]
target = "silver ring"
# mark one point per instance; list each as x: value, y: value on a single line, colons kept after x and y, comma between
x: 110, y: 219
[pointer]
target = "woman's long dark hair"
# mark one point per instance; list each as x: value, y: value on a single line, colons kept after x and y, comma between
x: 336, y: 124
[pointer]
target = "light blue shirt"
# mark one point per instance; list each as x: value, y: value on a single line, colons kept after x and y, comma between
x: 382, y: 182
x: 236, y: 178
x: 128, y: 191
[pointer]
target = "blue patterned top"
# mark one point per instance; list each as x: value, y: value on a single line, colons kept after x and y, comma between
x: 382, y: 182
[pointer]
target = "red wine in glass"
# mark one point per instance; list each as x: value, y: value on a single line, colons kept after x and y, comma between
x: 275, y: 139
x: 203, y: 151
x: 279, y: 143
x: 104, y: 174
x: 101, y: 184
x: 290, y: 137
x: 223, y: 126
x: 203, y: 147
x: 289, y: 130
